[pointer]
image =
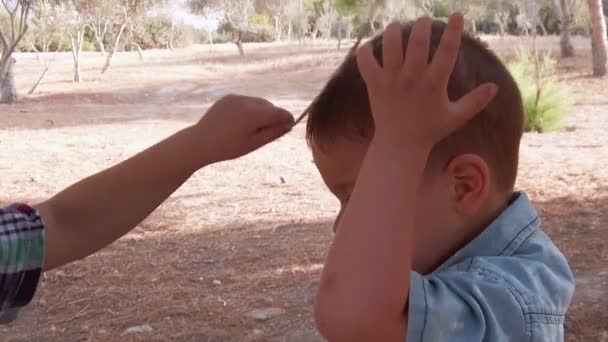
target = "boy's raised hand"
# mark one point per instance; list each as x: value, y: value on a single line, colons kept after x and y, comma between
x: 237, y: 125
x: 408, y: 95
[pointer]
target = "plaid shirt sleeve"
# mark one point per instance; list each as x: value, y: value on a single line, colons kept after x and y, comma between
x: 22, y: 249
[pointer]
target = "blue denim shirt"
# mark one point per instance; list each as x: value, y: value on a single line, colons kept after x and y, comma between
x: 509, y: 284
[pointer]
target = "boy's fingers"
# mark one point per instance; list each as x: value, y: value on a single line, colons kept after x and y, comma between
x: 417, y: 53
x: 392, y: 47
x: 447, y: 53
x: 472, y: 104
x: 368, y: 65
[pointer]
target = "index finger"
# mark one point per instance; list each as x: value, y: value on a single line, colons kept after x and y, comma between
x: 369, y: 68
x: 446, y: 55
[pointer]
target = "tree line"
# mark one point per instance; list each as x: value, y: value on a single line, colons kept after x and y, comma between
x: 108, y: 26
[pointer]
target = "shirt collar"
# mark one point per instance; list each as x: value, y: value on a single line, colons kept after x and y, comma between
x: 504, y: 235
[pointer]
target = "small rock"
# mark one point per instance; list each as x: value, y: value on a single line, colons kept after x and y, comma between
x: 217, y: 282
x: 139, y: 329
x: 209, y: 261
x: 102, y: 331
x: 283, y: 180
x: 262, y: 315
x: 257, y: 332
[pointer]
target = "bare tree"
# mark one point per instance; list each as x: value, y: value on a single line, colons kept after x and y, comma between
x: 566, y: 19
x: 325, y: 21
x: 129, y: 15
x: 122, y: 26
x: 528, y: 16
x: 277, y: 11
x: 100, y: 21
x: 472, y: 9
x: 206, y: 9
x: 74, y: 15
x: 599, y: 44
x: 502, y: 13
x: 45, y: 26
x: 18, y: 12
x: 237, y: 14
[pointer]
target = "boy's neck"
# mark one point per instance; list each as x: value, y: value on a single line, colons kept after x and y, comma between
x: 452, y: 240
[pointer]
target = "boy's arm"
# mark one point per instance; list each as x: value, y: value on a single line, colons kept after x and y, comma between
x: 100, y: 209
x: 365, y: 284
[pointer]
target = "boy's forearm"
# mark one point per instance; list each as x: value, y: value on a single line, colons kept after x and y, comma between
x: 367, y: 272
x: 95, y: 212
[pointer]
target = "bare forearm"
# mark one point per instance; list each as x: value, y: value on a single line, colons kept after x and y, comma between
x: 95, y: 212
x: 367, y: 270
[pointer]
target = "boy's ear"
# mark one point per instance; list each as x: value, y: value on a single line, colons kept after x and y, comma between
x: 469, y: 177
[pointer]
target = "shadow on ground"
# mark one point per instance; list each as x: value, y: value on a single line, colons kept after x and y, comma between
x: 199, y: 285
x: 580, y: 228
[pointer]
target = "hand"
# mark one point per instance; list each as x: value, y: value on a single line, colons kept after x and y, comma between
x: 237, y: 125
x: 408, y: 96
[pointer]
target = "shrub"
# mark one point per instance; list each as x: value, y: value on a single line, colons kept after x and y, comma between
x: 546, y: 102
x: 88, y: 46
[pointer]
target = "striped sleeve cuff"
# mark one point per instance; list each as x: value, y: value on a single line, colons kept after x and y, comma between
x: 22, y: 251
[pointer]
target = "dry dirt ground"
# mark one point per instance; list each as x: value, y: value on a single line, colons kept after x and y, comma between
x: 250, y: 234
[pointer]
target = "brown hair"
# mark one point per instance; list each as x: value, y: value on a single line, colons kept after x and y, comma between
x: 342, y: 108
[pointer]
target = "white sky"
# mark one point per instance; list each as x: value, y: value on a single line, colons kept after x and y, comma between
x: 182, y: 13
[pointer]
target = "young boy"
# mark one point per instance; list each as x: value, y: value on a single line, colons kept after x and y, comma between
x: 432, y: 243
x: 100, y: 209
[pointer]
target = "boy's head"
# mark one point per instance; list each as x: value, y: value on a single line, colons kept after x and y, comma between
x: 469, y: 175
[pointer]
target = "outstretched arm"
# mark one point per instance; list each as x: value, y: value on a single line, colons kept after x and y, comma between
x: 98, y: 210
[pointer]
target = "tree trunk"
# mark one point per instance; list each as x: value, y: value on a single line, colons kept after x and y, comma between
x: 566, y: 47
x: 46, y: 46
x: 140, y: 52
x: 290, y: 31
x: 474, y: 27
x: 134, y: 43
x: 210, y: 39
x: 100, y: 46
x: 315, y: 33
x: 114, y: 49
x: 35, y: 49
x: 8, y: 91
x: 501, y: 29
x: 543, y: 28
x: 76, y: 43
x: 372, y: 26
x: 239, y: 43
x: 76, y: 54
x: 277, y: 28
x: 599, y: 44
x: 340, y: 28
x: 171, y: 34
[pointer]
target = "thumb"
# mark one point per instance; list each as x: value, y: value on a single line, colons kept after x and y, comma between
x: 269, y: 134
x: 473, y: 103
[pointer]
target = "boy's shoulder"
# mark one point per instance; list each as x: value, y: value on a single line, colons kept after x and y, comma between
x: 511, y: 282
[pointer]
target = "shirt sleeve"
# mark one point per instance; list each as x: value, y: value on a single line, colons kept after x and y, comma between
x: 22, y: 249
x: 464, y: 306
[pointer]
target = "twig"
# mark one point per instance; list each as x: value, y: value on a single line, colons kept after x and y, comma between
x: 81, y: 313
